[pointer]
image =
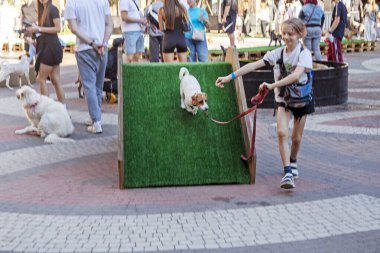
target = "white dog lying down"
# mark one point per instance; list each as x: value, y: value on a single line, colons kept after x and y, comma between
x: 48, y: 118
x: 21, y: 69
x: 192, y: 97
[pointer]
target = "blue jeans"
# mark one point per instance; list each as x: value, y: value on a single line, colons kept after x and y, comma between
x: 92, y: 68
x: 312, y: 41
x: 198, y: 49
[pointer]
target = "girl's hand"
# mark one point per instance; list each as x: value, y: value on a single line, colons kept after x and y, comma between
x: 33, y: 29
x: 221, y: 81
x: 269, y: 86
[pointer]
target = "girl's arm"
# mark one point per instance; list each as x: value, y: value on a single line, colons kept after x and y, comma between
x: 52, y: 30
x: 160, y: 19
x: 240, y: 72
x: 289, y: 79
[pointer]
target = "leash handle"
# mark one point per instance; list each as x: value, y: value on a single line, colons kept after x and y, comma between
x: 256, y: 100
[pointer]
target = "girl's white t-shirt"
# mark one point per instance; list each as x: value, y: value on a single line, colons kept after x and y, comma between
x: 291, y: 61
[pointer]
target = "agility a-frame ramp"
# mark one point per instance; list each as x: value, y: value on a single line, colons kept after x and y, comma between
x: 161, y: 144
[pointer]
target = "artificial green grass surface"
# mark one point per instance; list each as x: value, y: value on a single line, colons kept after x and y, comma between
x: 165, y: 145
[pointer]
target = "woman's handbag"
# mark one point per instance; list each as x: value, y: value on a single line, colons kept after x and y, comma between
x: 198, y: 34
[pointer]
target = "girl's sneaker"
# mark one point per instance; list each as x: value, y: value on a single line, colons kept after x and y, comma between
x: 294, y: 170
x: 287, y: 182
x: 95, y: 128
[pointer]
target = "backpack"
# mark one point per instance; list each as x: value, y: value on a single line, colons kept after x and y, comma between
x: 153, y: 17
x: 296, y: 95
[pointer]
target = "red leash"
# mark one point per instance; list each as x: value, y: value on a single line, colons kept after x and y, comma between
x: 256, y: 101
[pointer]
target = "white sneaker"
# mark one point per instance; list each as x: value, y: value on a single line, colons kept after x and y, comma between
x: 88, y: 122
x: 294, y: 168
x: 95, y: 128
x: 287, y: 182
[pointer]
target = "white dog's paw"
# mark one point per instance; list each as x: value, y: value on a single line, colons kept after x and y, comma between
x: 183, y: 106
x: 20, y: 131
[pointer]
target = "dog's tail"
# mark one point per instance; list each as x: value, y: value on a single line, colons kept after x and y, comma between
x: 53, y: 138
x: 183, y: 72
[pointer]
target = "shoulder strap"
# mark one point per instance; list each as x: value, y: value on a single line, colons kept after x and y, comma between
x: 307, y: 22
x: 136, y: 5
x: 281, y: 63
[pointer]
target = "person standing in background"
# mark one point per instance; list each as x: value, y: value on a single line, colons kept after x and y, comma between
x: 264, y: 17
x: 313, y: 17
x: 91, y: 22
x: 335, y: 33
x: 155, y: 35
x: 49, y: 49
x: 29, y: 16
x: 173, y: 21
x: 370, y: 15
x: 230, y: 9
x: 8, y: 22
x: 133, y: 26
x: 198, y: 20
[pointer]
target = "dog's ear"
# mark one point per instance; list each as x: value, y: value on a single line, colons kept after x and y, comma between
x: 194, y: 100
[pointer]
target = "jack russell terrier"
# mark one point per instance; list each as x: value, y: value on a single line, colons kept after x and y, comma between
x: 192, y: 97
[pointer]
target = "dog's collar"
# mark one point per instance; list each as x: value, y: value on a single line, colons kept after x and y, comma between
x: 33, y: 106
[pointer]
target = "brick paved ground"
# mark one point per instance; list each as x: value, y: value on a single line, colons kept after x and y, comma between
x: 65, y: 198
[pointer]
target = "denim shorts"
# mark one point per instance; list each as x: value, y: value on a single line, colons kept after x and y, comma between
x: 133, y: 42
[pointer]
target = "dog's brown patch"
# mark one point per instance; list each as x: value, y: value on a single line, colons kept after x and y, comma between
x: 199, y: 99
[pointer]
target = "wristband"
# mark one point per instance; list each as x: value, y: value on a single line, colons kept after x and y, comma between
x: 91, y: 43
x: 233, y: 75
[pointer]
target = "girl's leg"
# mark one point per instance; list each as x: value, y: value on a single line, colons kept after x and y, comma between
x: 283, y: 118
x: 168, y: 57
x: 182, y: 57
x: 298, y: 127
x: 43, y: 74
x: 55, y: 80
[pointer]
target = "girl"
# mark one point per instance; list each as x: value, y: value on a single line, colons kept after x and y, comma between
x: 171, y: 18
x: 49, y: 48
x: 298, y: 63
x: 199, y: 19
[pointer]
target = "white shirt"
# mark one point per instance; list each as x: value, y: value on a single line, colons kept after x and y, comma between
x: 130, y: 7
x: 291, y: 61
x: 91, y: 19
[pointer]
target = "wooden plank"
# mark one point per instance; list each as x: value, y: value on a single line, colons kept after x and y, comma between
x: 232, y: 57
x: 120, y: 124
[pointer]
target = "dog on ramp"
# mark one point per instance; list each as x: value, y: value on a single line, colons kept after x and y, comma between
x: 20, y: 69
x: 48, y: 118
x: 192, y: 98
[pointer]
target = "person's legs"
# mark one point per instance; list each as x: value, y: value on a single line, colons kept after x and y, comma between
x: 154, y: 49
x: 42, y: 76
x: 88, y: 68
x: 316, y: 46
x: 202, y: 51
x: 130, y: 49
x: 55, y: 80
x: 102, y: 64
x: 168, y: 57
x: 283, y: 117
x: 298, y: 127
x: 231, y: 37
x: 193, y: 50
x: 182, y: 57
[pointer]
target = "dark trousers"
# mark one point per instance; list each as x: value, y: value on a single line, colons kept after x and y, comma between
x: 155, y: 48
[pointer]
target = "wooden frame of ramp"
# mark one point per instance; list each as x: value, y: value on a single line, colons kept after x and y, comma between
x: 232, y: 58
